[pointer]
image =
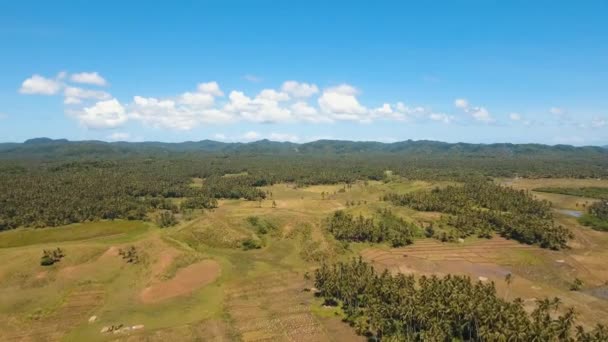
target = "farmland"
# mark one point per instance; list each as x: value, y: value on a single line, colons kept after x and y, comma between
x: 194, y: 280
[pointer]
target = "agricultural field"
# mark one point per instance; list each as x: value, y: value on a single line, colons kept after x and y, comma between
x: 131, y: 280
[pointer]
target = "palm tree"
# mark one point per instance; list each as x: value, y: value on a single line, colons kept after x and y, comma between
x: 508, y: 280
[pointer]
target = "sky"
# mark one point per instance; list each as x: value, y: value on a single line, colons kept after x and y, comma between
x: 455, y: 71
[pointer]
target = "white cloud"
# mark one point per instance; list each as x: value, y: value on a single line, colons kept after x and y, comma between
x: 119, y: 136
x: 162, y: 114
x: 515, y: 116
x: 204, y: 96
x: 342, y: 104
x: 74, y: 95
x: 197, y: 99
x: 481, y: 114
x: 3, y: 116
x: 191, y: 109
x: 273, y: 95
x: 258, y: 109
x: 40, y: 85
x: 93, y: 78
x: 446, y: 119
x: 211, y: 88
x: 477, y: 113
x: 297, y: 89
x: 461, y: 103
x: 303, y: 111
x: 103, y: 114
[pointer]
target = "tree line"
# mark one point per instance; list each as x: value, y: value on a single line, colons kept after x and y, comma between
x: 383, y: 227
x: 403, y: 308
x: 478, y: 207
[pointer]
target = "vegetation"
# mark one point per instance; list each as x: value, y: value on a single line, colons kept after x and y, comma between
x: 130, y: 254
x: 576, y: 285
x: 385, y: 227
x: 440, y: 309
x: 46, y: 182
x: 590, y: 191
x: 250, y: 243
x: 478, y: 207
x: 166, y: 219
x: 596, y: 216
x: 50, y: 257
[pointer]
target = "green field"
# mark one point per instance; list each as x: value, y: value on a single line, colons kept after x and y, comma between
x: 590, y: 192
x: 252, y: 293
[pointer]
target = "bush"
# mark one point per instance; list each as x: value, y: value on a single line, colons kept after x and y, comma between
x: 46, y: 260
x: 594, y: 222
x: 49, y: 257
x: 166, y: 219
x: 576, y: 285
x: 251, y: 244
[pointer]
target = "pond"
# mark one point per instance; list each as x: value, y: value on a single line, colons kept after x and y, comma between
x: 573, y: 213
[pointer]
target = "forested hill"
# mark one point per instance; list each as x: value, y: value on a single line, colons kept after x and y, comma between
x: 45, y: 148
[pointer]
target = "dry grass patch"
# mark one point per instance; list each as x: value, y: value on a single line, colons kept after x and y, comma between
x: 186, y: 281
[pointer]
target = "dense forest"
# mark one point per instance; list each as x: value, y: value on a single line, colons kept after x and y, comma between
x: 384, y: 227
x: 480, y: 206
x: 46, y: 182
x: 401, y: 308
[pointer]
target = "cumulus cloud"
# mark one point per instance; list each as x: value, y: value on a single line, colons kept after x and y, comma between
x: 103, y: 114
x: 264, y: 108
x: 302, y: 90
x: 294, y: 102
x: 167, y: 113
x: 461, y: 103
x: 477, y: 113
x: 342, y: 104
x: 197, y: 99
x: 40, y: 85
x: 211, y: 88
x: 444, y: 118
x: 557, y: 111
x: 92, y: 78
x: 273, y: 95
x: 75, y: 95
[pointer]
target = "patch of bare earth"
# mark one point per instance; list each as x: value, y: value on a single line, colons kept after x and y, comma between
x: 485, y: 260
x: 274, y: 308
x: 186, y: 281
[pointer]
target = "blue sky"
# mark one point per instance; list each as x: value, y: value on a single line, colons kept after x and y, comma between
x: 472, y: 71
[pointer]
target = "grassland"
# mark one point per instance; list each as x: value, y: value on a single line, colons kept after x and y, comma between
x: 250, y: 295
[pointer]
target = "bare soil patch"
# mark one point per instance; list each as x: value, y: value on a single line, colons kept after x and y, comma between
x: 274, y: 307
x: 186, y: 281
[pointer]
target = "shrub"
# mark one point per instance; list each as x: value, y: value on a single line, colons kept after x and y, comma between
x: 251, y: 244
